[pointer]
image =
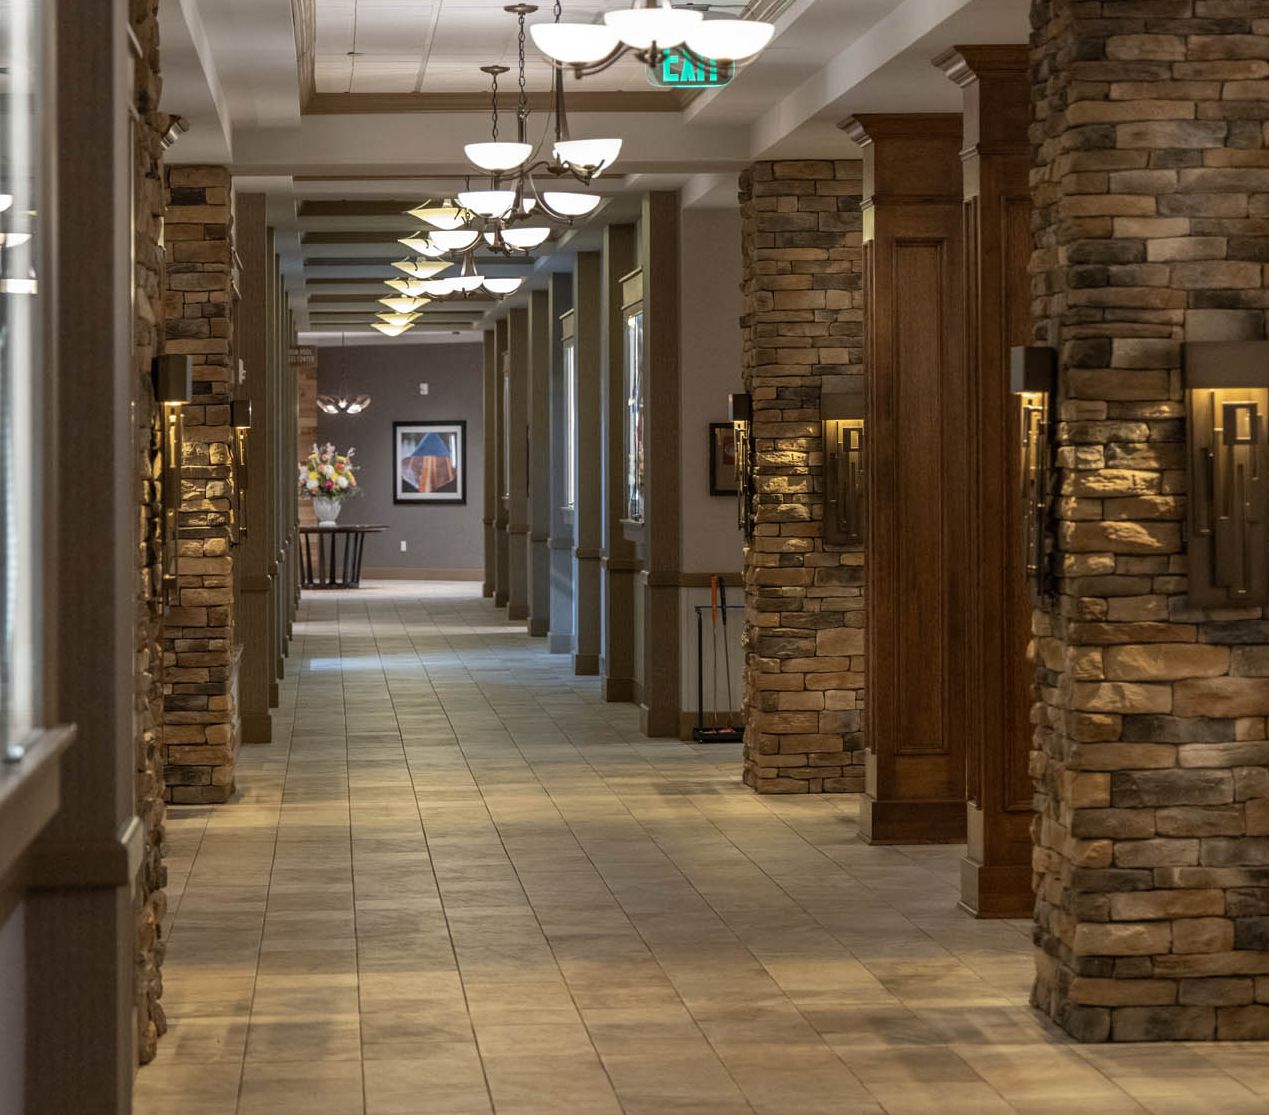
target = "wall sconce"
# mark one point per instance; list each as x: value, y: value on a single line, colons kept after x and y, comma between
x: 173, y: 389
x: 740, y: 410
x: 240, y: 419
x: 1227, y: 401
x: 1033, y: 379
x: 843, y: 418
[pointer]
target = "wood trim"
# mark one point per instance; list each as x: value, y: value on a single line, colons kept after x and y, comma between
x: 30, y: 793
x: 73, y: 864
x: 631, y: 289
x: 304, y: 15
x: 375, y: 104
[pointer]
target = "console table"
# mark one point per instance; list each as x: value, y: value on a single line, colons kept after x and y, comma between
x: 334, y: 565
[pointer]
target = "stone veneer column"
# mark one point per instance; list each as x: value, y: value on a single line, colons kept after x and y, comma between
x: 200, y: 663
x: 621, y: 564
x: 996, y: 871
x: 1151, y: 186
x: 802, y: 326
x: 588, y: 513
x: 916, y: 478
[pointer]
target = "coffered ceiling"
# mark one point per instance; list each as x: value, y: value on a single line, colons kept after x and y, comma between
x: 347, y: 113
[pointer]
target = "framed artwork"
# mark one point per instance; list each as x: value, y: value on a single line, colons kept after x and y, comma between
x: 722, y: 459
x: 430, y: 463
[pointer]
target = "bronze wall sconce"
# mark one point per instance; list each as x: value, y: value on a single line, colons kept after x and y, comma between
x: 740, y: 410
x: 240, y: 420
x: 844, y: 506
x: 1033, y: 379
x: 173, y: 389
x: 1227, y: 401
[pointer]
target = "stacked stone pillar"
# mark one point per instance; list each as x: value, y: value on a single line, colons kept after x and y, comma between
x: 804, y: 617
x: 1151, y: 185
x: 200, y: 662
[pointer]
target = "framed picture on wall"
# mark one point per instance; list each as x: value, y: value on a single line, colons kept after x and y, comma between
x: 722, y: 459
x: 430, y: 465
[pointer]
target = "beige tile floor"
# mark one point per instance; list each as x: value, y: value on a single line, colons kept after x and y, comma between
x: 458, y: 882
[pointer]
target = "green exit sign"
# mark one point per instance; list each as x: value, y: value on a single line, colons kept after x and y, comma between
x: 678, y: 71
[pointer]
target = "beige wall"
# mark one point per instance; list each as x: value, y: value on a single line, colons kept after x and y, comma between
x: 709, y: 371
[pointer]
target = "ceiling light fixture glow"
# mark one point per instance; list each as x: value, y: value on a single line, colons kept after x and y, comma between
x: 440, y: 215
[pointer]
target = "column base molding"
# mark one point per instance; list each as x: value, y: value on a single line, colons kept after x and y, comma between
x: 257, y: 727
x: 518, y: 611
x: 538, y: 627
x: 911, y: 822
x: 618, y: 689
x: 500, y: 599
x: 559, y: 643
x: 585, y: 665
x: 1000, y: 891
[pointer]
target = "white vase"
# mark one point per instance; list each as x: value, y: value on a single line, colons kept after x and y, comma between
x: 327, y: 510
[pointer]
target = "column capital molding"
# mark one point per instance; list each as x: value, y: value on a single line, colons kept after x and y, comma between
x: 866, y: 128
x: 968, y: 64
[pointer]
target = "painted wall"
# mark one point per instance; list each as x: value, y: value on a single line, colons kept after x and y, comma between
x: 12, y: 1010
x: 709, y: 370
x: 439, y: 538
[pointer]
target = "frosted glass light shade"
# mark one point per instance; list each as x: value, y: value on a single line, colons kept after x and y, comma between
x: 503, y: 286
x: 574, y: 42
x: 13, y: 239
x: 641, y: 27
x: 421, y: 268
x: 390, y: 330
x: 411, y: 288
x: 396, y: 319
x: 439, y: 288
x: 403, y: 305
x: 455, y: 240
x: 592, y: 156
x: 467, y: 282
x: 423, y: 245
x: 6, y: 202
x: 729, y: 39
x: 524, y: 238
x: 444, y: 215
x: 497, y: 156
x: 570, y: 203
x: 494, y: 204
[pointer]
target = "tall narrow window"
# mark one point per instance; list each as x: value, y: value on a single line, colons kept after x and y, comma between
x: 570, y: 424
x: 20, y: 364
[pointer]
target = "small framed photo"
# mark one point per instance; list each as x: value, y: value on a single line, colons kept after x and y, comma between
x: 430, y: 462
x: 722, y: 459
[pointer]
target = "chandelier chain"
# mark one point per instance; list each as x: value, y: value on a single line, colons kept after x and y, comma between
x: 494, y: 98
x: 522, y: 109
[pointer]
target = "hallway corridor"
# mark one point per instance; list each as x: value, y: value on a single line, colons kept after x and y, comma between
x: 459, y: 882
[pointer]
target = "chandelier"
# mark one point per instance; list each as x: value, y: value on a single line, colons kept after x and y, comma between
x: 647, y: 30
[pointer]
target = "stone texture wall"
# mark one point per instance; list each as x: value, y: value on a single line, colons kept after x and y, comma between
x: 803, y: 334
x: 151, y: 898
x: 200, y: 703
x: 1151, y: 185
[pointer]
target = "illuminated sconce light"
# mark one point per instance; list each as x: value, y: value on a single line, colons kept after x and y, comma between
x: 240, y: 420
x: 173, y: 389
x: 1227, y: 404
x: 740, y: 409
x: 1033, y: 379
x: 843, y: 418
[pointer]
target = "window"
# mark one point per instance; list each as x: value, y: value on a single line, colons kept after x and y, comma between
x: 570, y: 424
x: 634, y: 416
x: 20, y: 371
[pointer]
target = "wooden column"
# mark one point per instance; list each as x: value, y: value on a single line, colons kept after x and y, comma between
x: 588, y: 514
x: 539, y: 452
x: 517, y: 448
x: 915, y: 563
x: 560, y: 639
x: 499, y: 465
x: 996, y: 872
x: 257, y: 557
x: 659, y: 250
x: 621, y: 557
x: 491, y: 455
x: 81, y: 944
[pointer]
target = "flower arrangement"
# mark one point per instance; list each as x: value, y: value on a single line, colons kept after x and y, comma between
x: 328, y: 474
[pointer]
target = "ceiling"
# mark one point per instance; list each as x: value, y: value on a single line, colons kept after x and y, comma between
x: 347, y: 113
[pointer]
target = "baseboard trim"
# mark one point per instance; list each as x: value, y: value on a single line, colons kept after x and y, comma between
x: 560, y: 644
x: 687, y: 721
x: 257, y: 728
x: 396, y: 573
x: 538, y: 627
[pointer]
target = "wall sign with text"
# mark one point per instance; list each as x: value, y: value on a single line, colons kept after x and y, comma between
x: 678, y: 71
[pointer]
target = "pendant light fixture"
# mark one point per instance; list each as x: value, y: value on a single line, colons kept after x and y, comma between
x: 343, y: 403
x: 647, y: 30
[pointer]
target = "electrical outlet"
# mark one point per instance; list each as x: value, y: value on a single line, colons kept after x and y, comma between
x: 422, y: 388
x: 403, y: 545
